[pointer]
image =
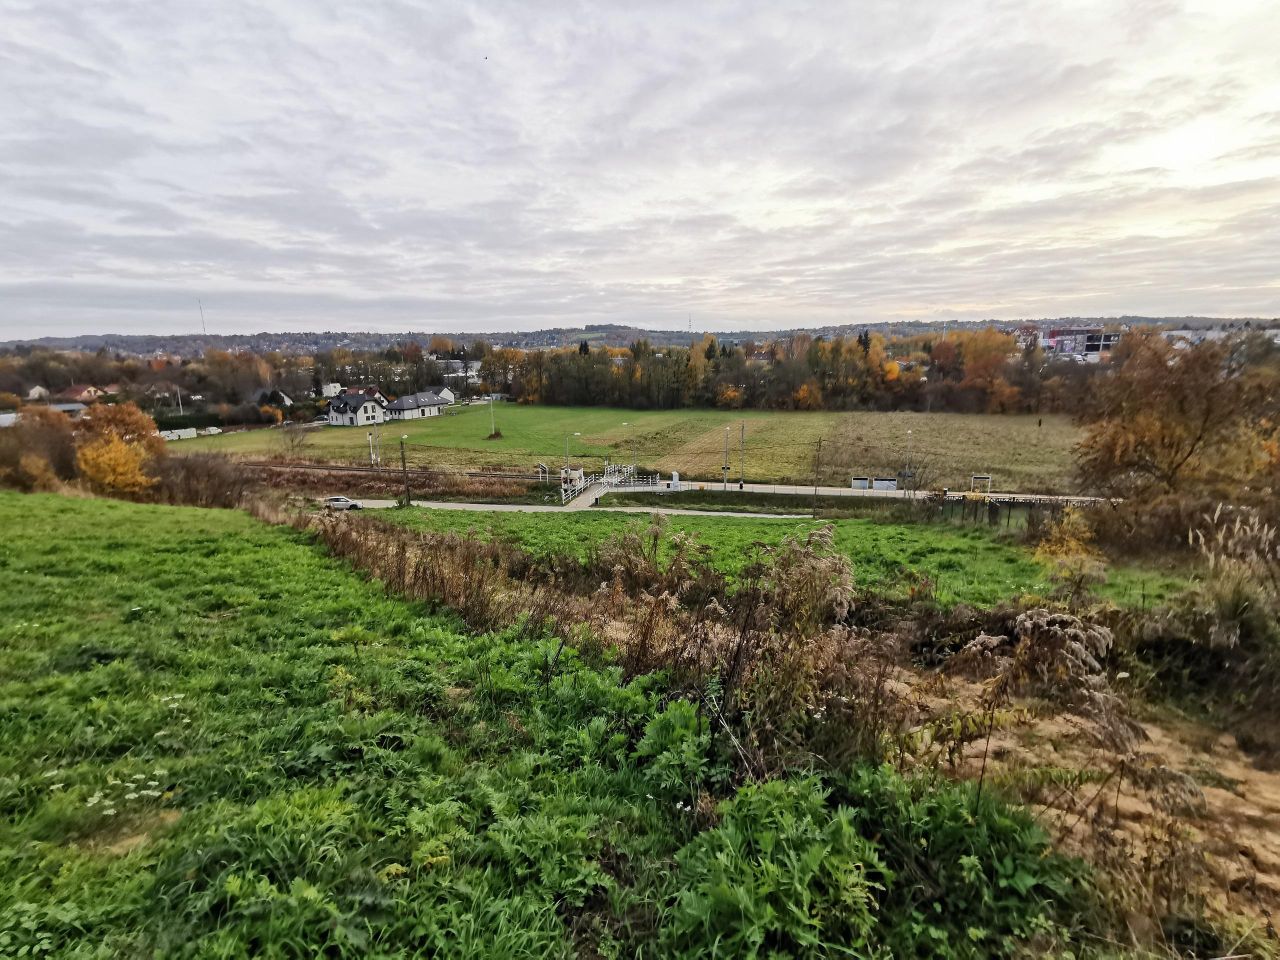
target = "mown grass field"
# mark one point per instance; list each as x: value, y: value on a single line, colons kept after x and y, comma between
x: 219, y: 742
x: 1023, y: 453
x: 966, y: 564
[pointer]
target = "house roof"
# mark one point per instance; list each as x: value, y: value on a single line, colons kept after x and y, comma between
x: 77, y: 389
x: 414, y: 401
x: 350, y: 404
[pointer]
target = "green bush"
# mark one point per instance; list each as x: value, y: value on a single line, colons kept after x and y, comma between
x: 874, y: 865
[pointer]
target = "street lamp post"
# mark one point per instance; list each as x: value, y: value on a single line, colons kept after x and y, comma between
x: 910, y: 478
x: 632, y: 438
x: 566, y: 448
x: 404, y: 468
x: 724, y: 470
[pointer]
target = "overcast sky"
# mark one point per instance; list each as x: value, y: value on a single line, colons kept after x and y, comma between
x: 490, y: 165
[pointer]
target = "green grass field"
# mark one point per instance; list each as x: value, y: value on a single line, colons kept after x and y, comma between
x: 967, y: 564
x: 1019, y: 452
x: 215, y: 741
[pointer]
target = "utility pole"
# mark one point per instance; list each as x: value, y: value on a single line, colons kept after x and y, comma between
x: 203, y: 329
x: 492, y: 429
x: 742, y: 458
x: 404, y: 468
x: 817, y: 471
x: 179, y: 389
x: 371, y: 461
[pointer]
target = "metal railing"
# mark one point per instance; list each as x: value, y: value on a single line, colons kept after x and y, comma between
x: 614, y: 477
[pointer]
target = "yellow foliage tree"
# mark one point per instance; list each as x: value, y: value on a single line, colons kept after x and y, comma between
x: 111, y: 465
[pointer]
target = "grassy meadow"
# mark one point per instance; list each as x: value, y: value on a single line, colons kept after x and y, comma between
x: 1024, y: 453
x: 220, y: 742
x: 966, y: 564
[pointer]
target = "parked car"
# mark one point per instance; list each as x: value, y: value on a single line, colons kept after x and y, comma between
x: 341, y: 503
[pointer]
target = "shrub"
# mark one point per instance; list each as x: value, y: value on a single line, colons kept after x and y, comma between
x: 199, y: 480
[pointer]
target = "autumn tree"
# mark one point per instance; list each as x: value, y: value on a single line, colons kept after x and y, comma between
x: 111, y: 465
x: 114, y: 445
x: 1170, y: 420
x: 123, y: 421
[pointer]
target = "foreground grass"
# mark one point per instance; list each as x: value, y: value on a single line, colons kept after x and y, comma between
x: 966, y: 564
x: 1020, y: 452
x: 219, y: 742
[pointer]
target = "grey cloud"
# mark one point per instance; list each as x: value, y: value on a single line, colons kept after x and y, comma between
x: 460, y: 165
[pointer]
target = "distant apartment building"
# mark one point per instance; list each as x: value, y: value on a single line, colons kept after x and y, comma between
x: 1091, y: 344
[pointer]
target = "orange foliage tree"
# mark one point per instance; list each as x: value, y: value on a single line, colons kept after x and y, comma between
x: 1170, y: 420
x: 111, y: 465
x: 123, y: 421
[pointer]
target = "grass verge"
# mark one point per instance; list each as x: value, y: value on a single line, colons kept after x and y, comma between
x: 220, y: 742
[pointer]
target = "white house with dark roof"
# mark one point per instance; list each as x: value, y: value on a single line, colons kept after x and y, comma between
x: 414, y: 406
x: 356, y: 410
x: 444, y: 393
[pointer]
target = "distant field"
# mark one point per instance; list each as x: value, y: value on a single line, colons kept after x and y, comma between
x: 967, y: 565
x: 1024, y: 453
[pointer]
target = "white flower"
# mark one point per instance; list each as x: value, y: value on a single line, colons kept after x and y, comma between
x: 91, y: 802
x: 131, y: 796
x: 56, y: 786
x: 151, y: 793
x: 153, y: 783
x: 110, y: 811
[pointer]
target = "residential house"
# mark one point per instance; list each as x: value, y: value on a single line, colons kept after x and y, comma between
x: 272, y: 396
x: 444, y: 393
x: 330, y: 390
x: 372, y: 392
x: 460, y: 371
x: 37, y: 393
x: 80, y: 393
x: 356, y: 410
x: 414, y: 406
x: 73, y: 410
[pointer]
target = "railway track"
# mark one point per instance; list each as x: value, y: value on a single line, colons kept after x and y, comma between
x: 390, y: 471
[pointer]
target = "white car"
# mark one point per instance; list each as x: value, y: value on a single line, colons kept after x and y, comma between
x: 341, y: 503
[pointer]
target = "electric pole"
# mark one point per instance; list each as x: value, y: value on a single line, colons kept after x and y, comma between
x: 371, y: 448
x: 404, y: 468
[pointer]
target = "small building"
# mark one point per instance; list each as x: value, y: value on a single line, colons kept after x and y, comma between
x: 414, y: 406
x: 444, y: 393
x: 330, y: 390
x: 355, y: 411
x: 8, y: 420
x: 73, y: 410
x: 38, y: 393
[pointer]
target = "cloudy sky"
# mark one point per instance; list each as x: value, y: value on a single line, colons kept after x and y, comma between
x: 492, y: 165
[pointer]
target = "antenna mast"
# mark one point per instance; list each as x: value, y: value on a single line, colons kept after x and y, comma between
x: 203, y: 329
